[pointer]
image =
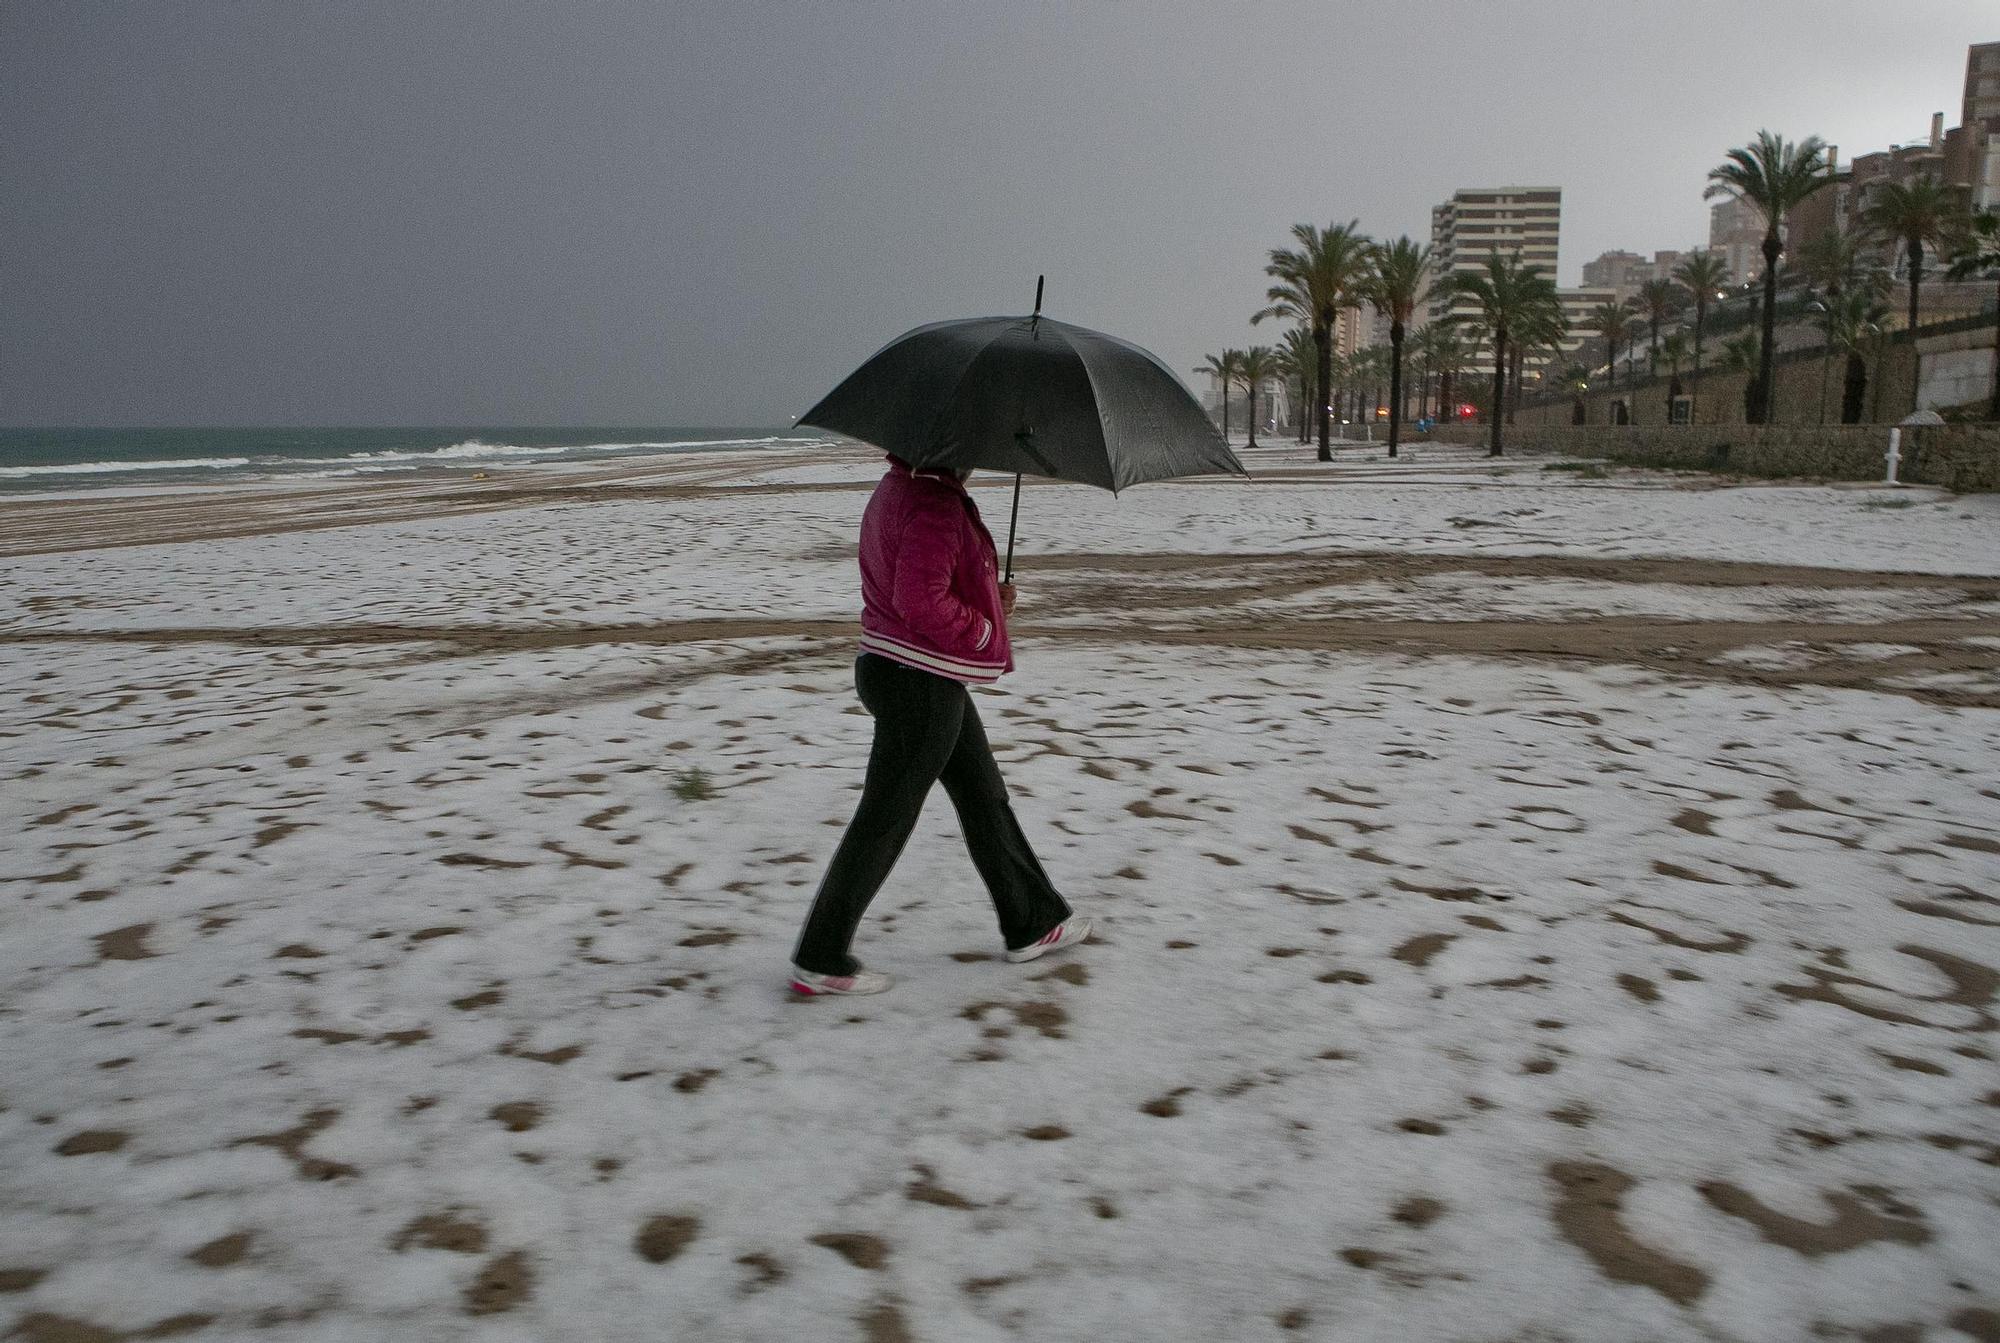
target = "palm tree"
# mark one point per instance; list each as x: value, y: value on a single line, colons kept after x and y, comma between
x: 1254, y: 367
x: 1834, y: 262
x: 1378, y: 373
x: 1222, y: 368
x: 1448, y: 355
x: 1575, y: 379
x: 1608, y: 321
x: 1774, y: 175
x: 1396, y: 283
x: 1675, y: 348
x: 1657, y: 301
x: 1300, y: 360
x: 1511, y: 295
x: 1635, y: 322
x: 1542, y: 333
x: 1419, y: 347
x: 1854, y: 324
x: 1702, y: 274
x: 1914, y: 213
x: 1740, y: 354
x: 1316, y: 280
x: 1978, y: 253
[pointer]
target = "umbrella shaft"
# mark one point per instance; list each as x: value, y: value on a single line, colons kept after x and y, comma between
x: 1013, y: 519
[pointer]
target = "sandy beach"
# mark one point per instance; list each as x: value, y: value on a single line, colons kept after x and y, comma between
x: 1534, y: 907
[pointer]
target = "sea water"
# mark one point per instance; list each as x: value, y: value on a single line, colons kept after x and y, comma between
x: 70, y: 459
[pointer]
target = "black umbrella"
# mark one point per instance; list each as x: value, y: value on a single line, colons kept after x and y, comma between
x: 1028, y: 395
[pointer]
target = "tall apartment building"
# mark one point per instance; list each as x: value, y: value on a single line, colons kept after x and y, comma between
x: 1516, y: 221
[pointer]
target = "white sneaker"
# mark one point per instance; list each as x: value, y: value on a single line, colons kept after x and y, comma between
x: 1068, y: 933
x: 809, y: 985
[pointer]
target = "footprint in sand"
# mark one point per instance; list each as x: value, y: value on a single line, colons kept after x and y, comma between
x: 924, y: 1188
x: 1418, y: 1211
x: 516, y: 1116
x: 856, y: 1247
x: 452, y: 1230
x: 664, y: 1237
x: 1419, y: 950
x: 502, y: 1285
x: 291, y: 1143
x: 125, y: 944
x: 92, y: 1141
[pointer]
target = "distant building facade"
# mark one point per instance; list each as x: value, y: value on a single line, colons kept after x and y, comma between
x: 1625, y: 272
x: 1577, y: 305
x: 1736, y: 234
x: 1612, y: 270
x: 1966, y: 156
x: 1351, y: 331
x: 1972, y: 151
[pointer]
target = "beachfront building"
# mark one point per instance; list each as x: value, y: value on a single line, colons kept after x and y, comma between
x: 1524, y: 222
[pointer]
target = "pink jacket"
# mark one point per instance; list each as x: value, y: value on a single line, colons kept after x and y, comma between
x: 930, y: 582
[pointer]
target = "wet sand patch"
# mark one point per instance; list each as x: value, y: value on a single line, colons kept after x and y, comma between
x: 1588, y: 1212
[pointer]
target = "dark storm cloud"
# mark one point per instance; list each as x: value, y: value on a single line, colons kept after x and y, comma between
x: 683, y: 214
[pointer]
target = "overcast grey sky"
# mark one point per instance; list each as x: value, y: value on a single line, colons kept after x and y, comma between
x: 426, y: 211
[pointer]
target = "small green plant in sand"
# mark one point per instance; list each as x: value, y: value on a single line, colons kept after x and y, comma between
x: 692, y: 785
x: 1888, y: 503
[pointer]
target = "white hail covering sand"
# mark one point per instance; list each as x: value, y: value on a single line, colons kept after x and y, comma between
x: 387, y: 989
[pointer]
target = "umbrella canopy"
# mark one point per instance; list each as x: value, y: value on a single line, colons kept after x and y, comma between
x: 1028, y: 395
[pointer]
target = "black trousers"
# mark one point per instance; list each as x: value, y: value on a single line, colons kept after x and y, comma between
x: 926, y: 731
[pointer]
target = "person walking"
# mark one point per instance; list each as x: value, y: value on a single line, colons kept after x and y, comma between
x: 934, y: 620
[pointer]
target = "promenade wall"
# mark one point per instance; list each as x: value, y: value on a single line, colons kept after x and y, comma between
x: 1957, y: 368
x: 1962, y: 458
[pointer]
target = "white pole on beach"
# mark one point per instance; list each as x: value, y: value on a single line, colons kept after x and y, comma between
x: 1895, y: 454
